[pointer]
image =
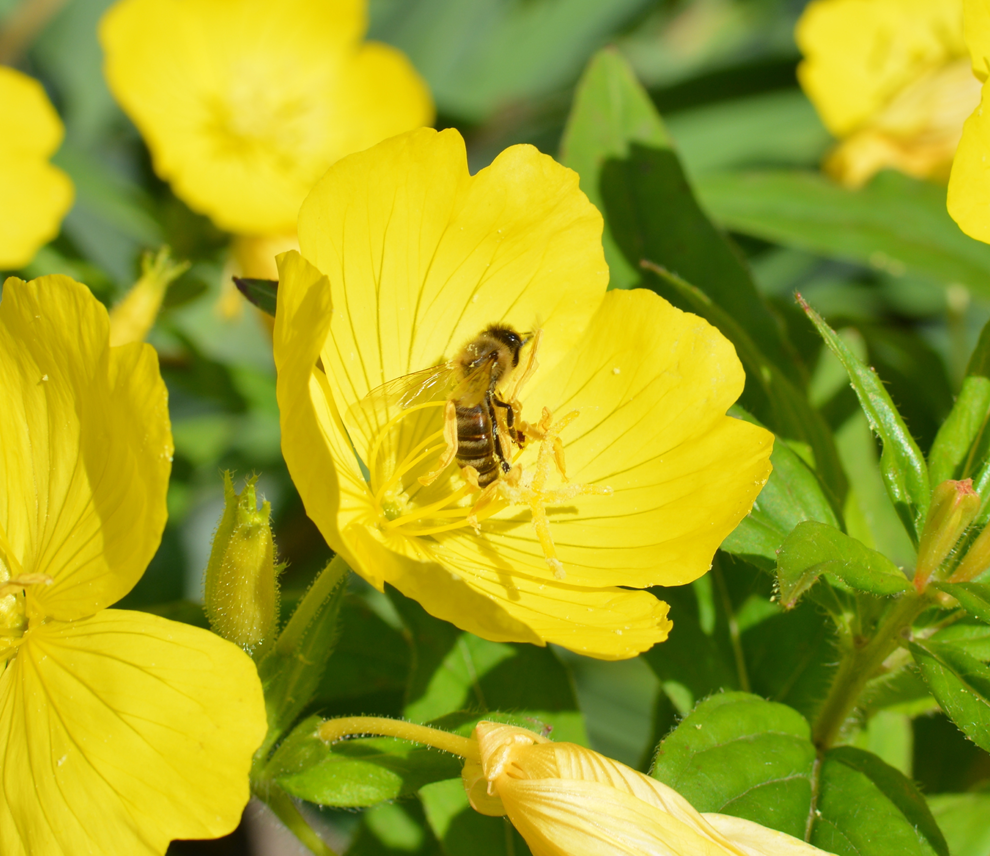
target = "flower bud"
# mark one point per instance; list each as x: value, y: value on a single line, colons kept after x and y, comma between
x: 976, y: 560
x: 241, y: 585
x: 134, y: 316
x: 954, y: 505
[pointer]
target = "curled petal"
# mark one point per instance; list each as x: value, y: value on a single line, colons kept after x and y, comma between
x: 121, y: 732
x: 85, y: 448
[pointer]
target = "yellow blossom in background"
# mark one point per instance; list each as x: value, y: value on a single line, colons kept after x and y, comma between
x: 119, y: 730
x: 244, y: 104
x: 891, y: 80
x: 969, y: 184
x: 405, y: 257
x: 34, y: 195
x: 565, y: 799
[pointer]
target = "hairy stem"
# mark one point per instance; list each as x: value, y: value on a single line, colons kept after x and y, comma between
x: 349, y: 726
x: 859, y: 665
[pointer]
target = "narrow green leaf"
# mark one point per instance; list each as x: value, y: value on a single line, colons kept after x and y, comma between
x: 867, y: 808
x: 901, y: 462
x: 951, y: 455
x: 970, y: 635
x: 355, y: 773
x: 973, y: 597
x: 961, y: 684
x: 263, y: 293
x: 895, y: 223
x: 738, y: 754
x: 813, y: 549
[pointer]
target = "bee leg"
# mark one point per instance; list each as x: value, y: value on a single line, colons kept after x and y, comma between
x: 450, y: 438
x: 511, y: 434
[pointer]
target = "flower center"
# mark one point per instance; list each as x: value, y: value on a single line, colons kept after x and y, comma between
x: 13, y: 585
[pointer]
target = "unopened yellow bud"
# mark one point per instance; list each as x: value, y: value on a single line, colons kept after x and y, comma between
x: 954, y: 505
x: 241, y: 586
x: 134, y: 316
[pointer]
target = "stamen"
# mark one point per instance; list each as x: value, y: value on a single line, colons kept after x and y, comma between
x: 428, y: 510
x: 387, y: 427
x: 423, y: 451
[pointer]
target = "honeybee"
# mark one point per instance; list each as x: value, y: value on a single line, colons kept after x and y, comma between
x: 481, y: 422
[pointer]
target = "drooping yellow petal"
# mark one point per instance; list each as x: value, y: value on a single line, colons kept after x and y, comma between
x: 969, y: 183
x: 85, y: 448
x: 565, y: 799
x: 860, y: 53
x: 121, y: 732
x: 421, y: 256
x: 245, y: 103
x: 34, y: 195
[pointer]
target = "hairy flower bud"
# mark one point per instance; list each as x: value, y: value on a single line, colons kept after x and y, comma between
x: 134, y: 316
x: 954, y: 505
x: 241, y: 585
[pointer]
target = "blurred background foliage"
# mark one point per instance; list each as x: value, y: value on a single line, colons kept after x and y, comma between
x: 886, y: 267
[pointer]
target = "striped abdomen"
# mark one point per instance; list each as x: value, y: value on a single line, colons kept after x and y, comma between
x: 476, y: 442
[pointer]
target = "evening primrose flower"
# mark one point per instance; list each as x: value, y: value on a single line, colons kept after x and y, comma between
x: 565, y: 799
x: 891, y: 79
x: 633, y: 474
x: 118, y: 730
x: 245, y: 103
x: 969, y: 183
x: 34, y: 195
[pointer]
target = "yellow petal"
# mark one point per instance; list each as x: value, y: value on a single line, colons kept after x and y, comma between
x: 121, y: 732
x: 755, y: 840
x: 314, y: 443
x: 976, y: 23
x: 860, y: 53
x: 652, y: 385
x: 245, y: 104
x: 34, y: 195
x: 421, y: 256
x: 969, y: 183
x: 85, y: 448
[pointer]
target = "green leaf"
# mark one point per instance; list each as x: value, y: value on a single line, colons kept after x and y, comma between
x: 263, y: 293
x: 738, y: 754
x: 961, y: 684
x: 971, y: 636
x: 394, y: 829
x: 813, y: 549
x: 464, y: 832
x: 963, y: 819
x: 951, y: 453
x: 867, y: 808
x: 895, y: 223
x: 355, y: 773
x: 617, y: 143
x: 901, y: 462
x: 792, y: 494
x: 973, y: 597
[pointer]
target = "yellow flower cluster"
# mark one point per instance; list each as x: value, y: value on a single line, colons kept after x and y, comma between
x: 891, y: 79
x: 119, y: 730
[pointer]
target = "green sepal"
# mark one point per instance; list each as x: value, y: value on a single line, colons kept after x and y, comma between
x: 960, y: 684
x: 813, y: 549
x: 902, y: 465
x: 262, y: 293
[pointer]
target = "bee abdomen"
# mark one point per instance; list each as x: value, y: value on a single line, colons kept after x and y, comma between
x: 476, y: 443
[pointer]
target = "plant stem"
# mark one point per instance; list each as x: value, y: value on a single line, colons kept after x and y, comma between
x: 861, y: 664
x: 287, y: 811
x: 348, y: 726
x: 330, y: 577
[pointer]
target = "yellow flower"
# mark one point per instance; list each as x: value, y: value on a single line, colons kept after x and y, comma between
x: 890, y: 79
x: 34, y: 195
x: 406, y: 257
x: 245, y: 103
x: 118, y: 730
x: 969, y: 184
x: 565, y: 799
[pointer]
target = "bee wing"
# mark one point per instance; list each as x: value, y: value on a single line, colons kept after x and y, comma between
x: 365, y: 419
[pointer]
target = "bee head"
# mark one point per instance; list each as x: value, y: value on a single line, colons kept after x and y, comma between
x: 508, y: 337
